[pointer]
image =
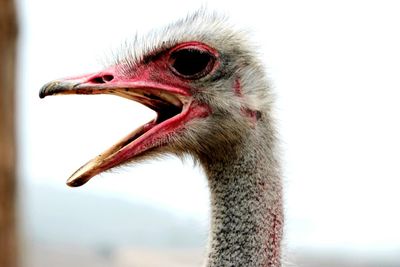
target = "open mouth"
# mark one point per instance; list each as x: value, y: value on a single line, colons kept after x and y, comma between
x: 174, y: 108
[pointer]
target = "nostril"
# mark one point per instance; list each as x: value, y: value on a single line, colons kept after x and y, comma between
x: 102, y: 79
x: 108, y: 78
x: 97, y: 80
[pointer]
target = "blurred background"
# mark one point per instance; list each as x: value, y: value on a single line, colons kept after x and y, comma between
x: 335, y: 68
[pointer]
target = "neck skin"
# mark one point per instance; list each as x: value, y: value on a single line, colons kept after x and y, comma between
x: 246, y: 200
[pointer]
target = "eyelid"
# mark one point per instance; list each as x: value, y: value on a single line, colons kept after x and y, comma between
x: 196, y: 45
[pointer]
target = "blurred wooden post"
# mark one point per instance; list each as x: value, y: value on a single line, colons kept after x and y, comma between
x: 8, y: 233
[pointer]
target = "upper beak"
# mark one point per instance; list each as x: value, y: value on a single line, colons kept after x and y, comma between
x: 149, y: 93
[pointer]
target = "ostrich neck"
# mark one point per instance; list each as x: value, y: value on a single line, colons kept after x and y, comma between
x: 246, y: 200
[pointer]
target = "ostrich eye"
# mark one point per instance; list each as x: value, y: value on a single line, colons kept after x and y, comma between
x: 191, y: 63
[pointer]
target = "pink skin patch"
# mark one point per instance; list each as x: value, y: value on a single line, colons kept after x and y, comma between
x: 275, y: 237
x: 237, y: 88
x: 252, y: 114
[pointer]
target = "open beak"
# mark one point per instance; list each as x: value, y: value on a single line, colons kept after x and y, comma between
x: 173, y: 104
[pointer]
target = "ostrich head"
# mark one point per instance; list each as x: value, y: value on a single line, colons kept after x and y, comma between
x: 202, y: 79
x: 212, y: 101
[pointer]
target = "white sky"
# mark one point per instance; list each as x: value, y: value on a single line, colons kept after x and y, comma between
x: 335, y: 68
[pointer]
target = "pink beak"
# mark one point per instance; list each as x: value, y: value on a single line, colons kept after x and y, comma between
x: 173, y: 104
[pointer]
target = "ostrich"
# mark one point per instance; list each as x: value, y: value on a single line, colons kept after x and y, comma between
x: 213, y: 101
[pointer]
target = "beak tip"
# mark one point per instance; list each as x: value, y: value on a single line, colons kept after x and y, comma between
x: 55, y: 87
x: 47, y: 89
x: 42, y: 94
x: 76, y: 183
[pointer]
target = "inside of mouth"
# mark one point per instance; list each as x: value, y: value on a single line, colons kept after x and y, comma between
x: 165, y: 111
x: 160, y: 104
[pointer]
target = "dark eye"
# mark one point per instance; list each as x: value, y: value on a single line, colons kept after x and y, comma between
x: 191, y: 63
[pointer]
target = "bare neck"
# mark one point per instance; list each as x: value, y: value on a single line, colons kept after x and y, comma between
x: 246, y: 200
